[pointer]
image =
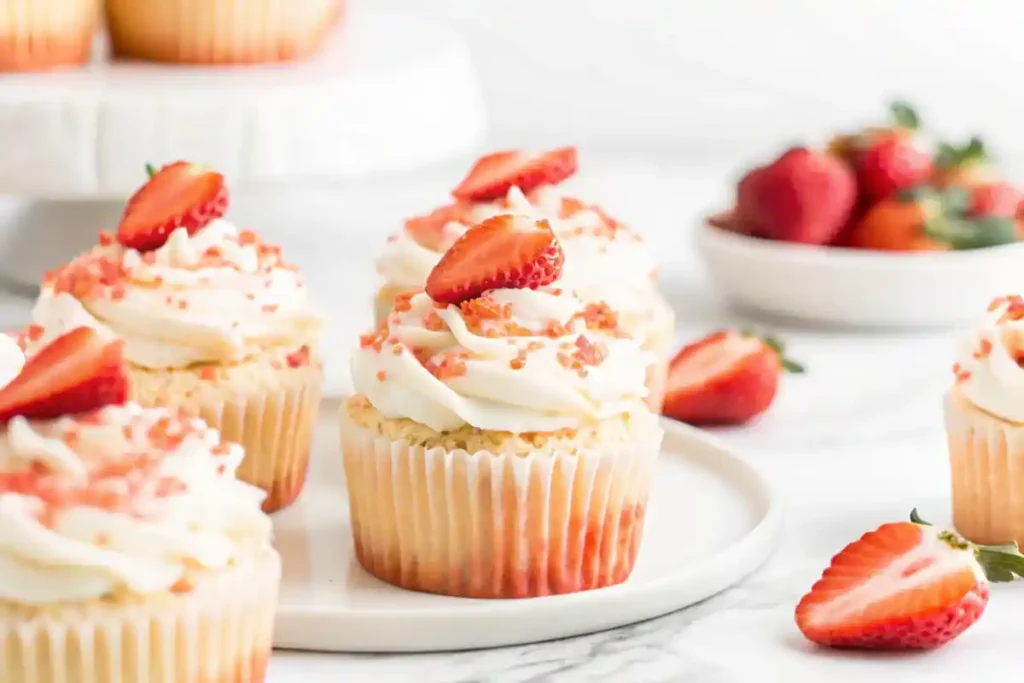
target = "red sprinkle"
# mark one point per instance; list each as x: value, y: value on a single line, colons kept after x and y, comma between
x: 299, y: 357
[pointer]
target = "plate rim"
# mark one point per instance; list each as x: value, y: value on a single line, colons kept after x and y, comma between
x: 723, y: 569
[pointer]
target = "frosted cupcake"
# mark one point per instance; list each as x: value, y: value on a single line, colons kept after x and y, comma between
x: 498, y: 445
x: 605, y: 261
x: 221, y: 31
x: 130, y: 552
x: 214, y: 321
x: 46, y: 34
x: 985, y: 426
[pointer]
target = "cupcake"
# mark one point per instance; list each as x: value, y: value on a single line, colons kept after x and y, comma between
x: 46, y: 34
x: 215, y: 322
x: 130, y: 552
x: 985, y: 427
x: 221, y: 31
x: 605, y: 261
x: 498, y: 445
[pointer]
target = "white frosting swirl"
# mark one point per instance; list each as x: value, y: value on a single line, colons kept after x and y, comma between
x: 592, y: 250
x: 514, y: 360
x: 12, y: 359
x: 988, y: 363
x: 124, y: 499
x: 216, y: 296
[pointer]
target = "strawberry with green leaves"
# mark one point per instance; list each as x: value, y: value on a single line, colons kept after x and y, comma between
x: 887, y: 159
x: 904, y: 586
x: 726, y: 378
x: 927, y: 219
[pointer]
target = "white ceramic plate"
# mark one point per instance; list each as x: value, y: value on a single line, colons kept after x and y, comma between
x: 858, y: 287
x: 711, y: 522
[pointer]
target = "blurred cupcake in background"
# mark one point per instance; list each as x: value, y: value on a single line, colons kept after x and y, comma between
x: 605, y: 260
x: 221, y: 31
x: 215, y: 322
x: 985, y: 427
x: 45, y: 34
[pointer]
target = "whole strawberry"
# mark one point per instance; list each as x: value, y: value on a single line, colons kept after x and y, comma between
x: 888, y: 161
x: 726, y: 378
x: 803, y: 196
x: 904, y: 586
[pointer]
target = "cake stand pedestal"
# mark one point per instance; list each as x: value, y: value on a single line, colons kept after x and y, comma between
x: 389, y: 95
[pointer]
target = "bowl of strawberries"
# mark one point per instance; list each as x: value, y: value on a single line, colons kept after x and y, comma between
x: 878, y: 228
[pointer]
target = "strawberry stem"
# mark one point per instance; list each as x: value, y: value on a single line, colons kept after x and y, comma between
x: 951, y: 156
x: 776, y: 345
x: 150, y: 169
x: 916, y: 518
x: 904, y: 115
x: 1000, y: 563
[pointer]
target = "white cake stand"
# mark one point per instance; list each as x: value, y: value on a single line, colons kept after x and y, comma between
x: 390, y: 94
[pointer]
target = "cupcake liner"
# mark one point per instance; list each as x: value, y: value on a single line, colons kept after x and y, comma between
x: 221, y: 31
x: 492, y: 525
x: 987, y: 466
x: 44, y: 34
x: 274, y: 424
x: 221, y: 631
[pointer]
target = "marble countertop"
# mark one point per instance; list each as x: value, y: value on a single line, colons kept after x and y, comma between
x: 855, y: 442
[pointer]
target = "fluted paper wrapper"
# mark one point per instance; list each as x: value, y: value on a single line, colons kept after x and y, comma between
x: 274, y: 426
x: 220, y: 31
x: 221, y: 632
x: 987, y: 467
x: 46, y: 34
x: 488, y: 525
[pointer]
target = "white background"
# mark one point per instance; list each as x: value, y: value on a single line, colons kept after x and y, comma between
x: 722, y: 75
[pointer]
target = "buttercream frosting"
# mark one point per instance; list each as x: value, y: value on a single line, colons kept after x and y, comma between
x: 988, y: 368
x: 12, y: 359
x: 122, y: 499
x: 515, y: 360
x: 593, y: 243
x: 219, y: 295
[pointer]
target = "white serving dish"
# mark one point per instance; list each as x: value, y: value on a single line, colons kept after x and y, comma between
x: 854, y: 287
x: 712, y: 521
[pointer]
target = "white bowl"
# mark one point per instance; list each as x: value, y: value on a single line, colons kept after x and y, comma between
x: 860, y: 287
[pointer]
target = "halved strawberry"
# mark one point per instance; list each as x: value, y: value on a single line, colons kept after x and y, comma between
x: 503, y: 252
x: 428, y: 230
x: 493, y: 175
x: 904, y: 586
x: 77, y: 372
x: 179, y: 195
x: 725, y: 378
